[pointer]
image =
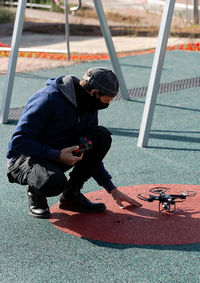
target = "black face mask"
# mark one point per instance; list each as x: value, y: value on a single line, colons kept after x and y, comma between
x: 86, y: 102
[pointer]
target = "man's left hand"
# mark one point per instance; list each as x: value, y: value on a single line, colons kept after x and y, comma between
x: 119, y: 197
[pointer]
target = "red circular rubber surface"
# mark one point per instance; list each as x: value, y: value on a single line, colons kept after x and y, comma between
x: 135, y: 225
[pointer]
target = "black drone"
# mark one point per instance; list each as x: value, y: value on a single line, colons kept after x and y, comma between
x: 166, y: 200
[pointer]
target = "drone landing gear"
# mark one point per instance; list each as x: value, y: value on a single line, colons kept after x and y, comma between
x: 165, y: 206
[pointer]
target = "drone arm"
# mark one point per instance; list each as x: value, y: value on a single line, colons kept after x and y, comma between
x: 178, y: 196
x: 184, y: 195
x: 144, y: 198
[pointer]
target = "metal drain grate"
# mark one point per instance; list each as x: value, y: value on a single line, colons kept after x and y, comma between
x: 138, y: 92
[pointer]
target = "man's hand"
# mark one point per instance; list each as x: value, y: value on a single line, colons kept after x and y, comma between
x: 67, y: 157
x: 119, y: 197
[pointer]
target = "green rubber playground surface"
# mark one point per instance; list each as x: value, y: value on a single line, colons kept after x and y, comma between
x: 34, y: 250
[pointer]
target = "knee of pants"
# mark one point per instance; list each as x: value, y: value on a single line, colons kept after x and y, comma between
x: 101, y: 137
x: 55, y: 185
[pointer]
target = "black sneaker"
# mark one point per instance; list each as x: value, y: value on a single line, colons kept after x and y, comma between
x: 80, y: 204
x: 37, y: 204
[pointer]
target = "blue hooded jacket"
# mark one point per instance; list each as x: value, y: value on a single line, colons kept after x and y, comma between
x: 48, y: 123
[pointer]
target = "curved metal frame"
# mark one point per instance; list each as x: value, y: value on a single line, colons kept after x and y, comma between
x: 76, y: 8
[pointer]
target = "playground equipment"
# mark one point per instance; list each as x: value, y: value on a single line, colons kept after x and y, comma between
x: 16, y: 38
x: 73, y: 10
x: 76, y: 8
x: 156, y: 71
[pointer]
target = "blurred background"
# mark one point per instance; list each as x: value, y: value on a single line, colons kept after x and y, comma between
x: 125, y: 17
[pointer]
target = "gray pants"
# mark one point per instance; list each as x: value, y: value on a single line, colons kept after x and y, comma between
x: 43, y: 175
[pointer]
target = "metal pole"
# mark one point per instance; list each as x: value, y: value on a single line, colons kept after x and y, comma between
x: 155, y: 76
x: 16, y: 38
x: 67, y: 29
x: 186, y: 12
x: 111, y: 49
x: 196, y: 12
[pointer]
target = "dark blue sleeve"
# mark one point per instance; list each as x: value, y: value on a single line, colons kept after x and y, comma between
x: 93, y: 121
x: 103, y: 178
x: 25, y: 137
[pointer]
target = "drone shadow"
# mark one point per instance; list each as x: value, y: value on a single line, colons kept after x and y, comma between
x: 113, y: 223
x: 178, y: 213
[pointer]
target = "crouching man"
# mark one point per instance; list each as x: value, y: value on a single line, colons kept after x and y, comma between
x: 42, y: 146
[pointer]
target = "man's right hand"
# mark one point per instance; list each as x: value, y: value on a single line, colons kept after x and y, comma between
x: 67, y: 157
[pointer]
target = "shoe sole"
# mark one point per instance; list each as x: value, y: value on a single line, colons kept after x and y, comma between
x: 39, y: 215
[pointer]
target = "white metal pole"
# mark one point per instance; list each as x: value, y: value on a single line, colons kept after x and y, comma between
x: 16, y: 38
x: 155, y: 76
x: 186, y: 12
x: 111, y: 49
x: 67, y: 34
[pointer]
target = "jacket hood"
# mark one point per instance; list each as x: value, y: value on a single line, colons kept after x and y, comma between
x: 66, y: 86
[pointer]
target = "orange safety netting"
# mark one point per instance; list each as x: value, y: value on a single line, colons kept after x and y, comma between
x: 92, y: 57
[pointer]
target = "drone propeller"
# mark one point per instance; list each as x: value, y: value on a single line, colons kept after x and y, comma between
x: 159, y: 190
x: 189, y: 193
